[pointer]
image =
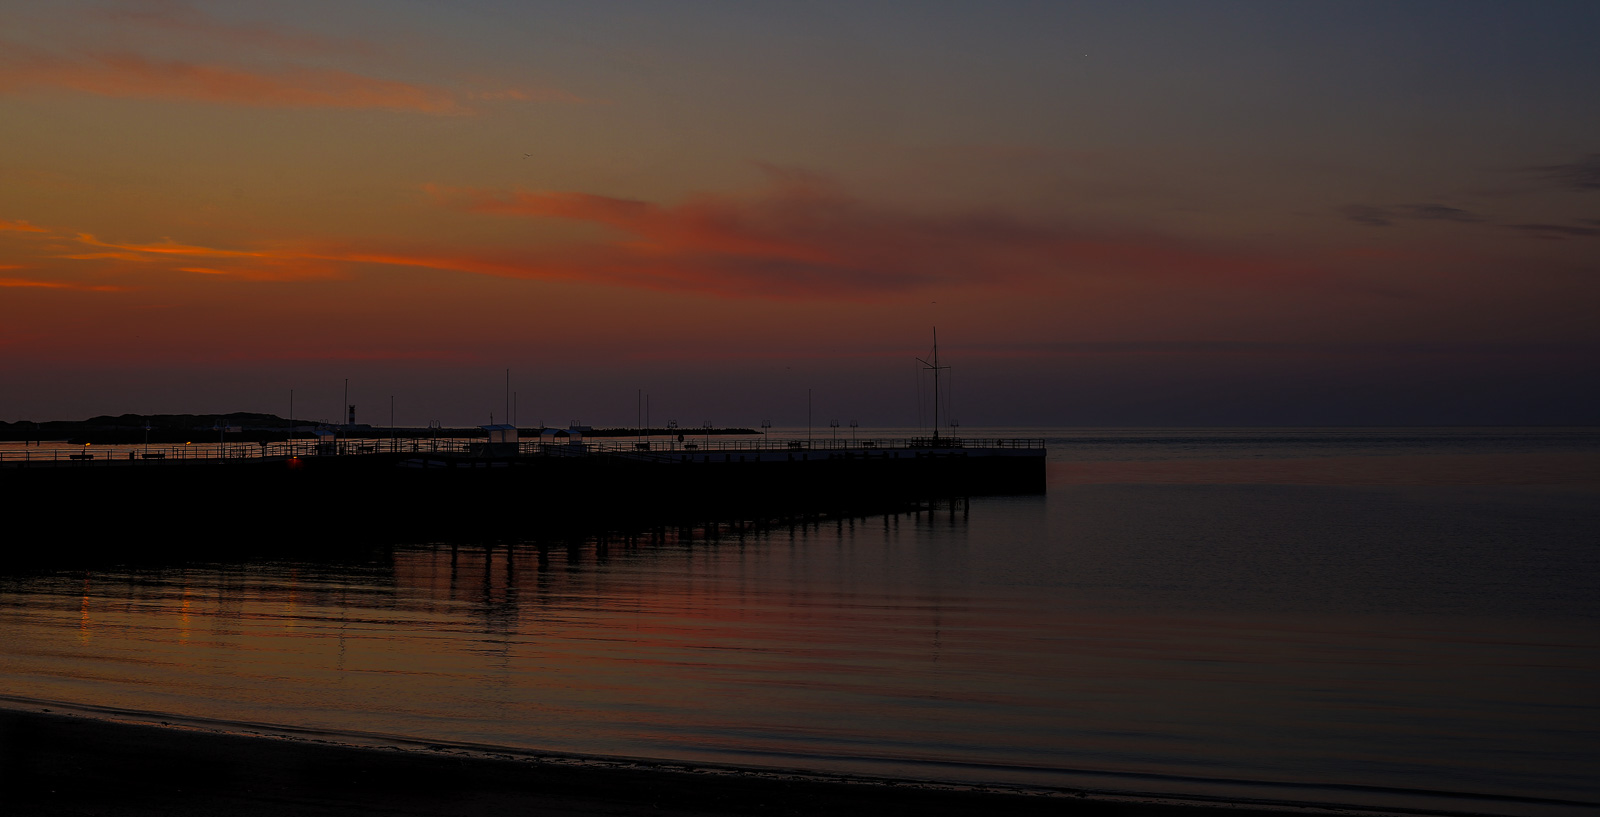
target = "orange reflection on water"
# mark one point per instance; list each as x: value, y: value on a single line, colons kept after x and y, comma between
x: 183, y: 615
x: 83, y: 612
x: 289, y: 599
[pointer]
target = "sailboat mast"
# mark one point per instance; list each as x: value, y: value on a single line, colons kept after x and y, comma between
x: 936, y: 386
x: 934, y: 365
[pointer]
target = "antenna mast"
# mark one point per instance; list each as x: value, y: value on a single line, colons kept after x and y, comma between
x: 935, y: 367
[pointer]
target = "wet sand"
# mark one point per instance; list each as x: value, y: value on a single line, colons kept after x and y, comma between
x: 59, y: 764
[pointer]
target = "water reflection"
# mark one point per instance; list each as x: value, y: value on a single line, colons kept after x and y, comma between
x: 1079, y: 639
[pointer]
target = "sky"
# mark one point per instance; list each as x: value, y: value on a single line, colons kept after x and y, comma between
x: 1115, y: 214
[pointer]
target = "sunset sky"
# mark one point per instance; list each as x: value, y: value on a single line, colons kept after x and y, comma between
x: 1115, y: 213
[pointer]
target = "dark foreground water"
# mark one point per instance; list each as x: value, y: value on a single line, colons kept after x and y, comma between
x: 1396, y: 618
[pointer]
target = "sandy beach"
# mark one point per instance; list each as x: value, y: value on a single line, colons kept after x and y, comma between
x: 66, y: 764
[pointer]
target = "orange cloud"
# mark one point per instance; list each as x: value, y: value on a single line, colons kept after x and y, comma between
x: 167, y: 247
x: 257, y: 265
x: 802, y: 236
x: 23, y: 282
x: 132, y: 76
x: 284, y: 264
x: 21, y: 227
x: 107, y: 256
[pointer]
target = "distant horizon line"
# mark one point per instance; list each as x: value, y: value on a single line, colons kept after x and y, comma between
x: 825, y: 428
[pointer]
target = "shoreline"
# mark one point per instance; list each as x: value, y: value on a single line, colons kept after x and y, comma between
x: 65, y: 759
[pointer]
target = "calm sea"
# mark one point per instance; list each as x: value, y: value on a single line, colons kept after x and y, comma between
x: 1392, y: 617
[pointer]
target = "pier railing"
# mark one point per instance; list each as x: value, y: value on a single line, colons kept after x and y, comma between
x: 87, y: 455
x: 628, y: 445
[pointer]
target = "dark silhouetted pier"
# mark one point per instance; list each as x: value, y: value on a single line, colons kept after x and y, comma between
x: 364, y: 488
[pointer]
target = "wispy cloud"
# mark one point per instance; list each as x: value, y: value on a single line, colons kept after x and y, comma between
x: 21, y: 227
x: 1438, y: 212
x: 274, y: 264
x: 170, y: 247
x: 1385, y: 216
x: 1368, y: 215
x: 31, y: 283
x: 1557, y: 231
x: 1583, y: 174
x: 292, y: 263
x: 108, y: 256
x: 137, y: 77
